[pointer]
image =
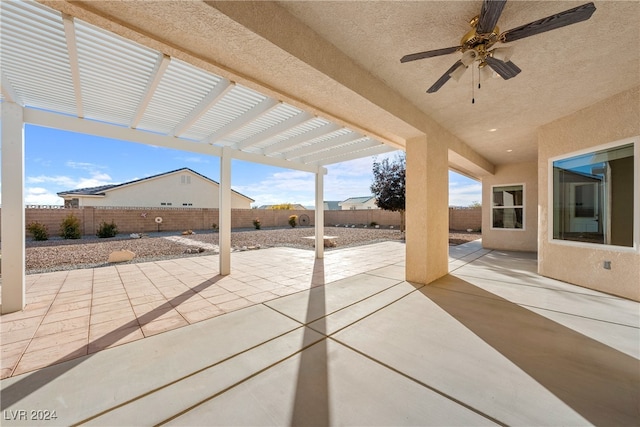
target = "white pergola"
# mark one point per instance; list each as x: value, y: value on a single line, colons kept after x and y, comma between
x: 63, y: 73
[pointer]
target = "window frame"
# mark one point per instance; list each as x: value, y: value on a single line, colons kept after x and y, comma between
x: 523, y: 206
x: 635, y: 140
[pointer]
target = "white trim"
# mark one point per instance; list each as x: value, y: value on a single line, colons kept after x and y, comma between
x: 105, y: 130
x: 524, y: 205
x: 224, y: 213
x: 218, y: 92
x: 635, y: 140
x: 154, y: 80
x: 72, y: 51
x: 13, y: 211
x: 319, y: 212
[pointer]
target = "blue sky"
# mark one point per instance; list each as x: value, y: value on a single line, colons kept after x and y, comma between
x: 57, y: 160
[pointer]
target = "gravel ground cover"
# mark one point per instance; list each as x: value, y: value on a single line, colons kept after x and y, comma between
x: 57, y: 254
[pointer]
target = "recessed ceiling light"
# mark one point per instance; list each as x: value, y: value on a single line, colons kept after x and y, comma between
x: 493, y: 130
x: 509, y: 150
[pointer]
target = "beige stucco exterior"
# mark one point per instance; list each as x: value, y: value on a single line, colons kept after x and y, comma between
x: 525, y: 239
x: 180, y: 189
x: 614, y: 119
x: 427, y: 215
x: 287, y: 58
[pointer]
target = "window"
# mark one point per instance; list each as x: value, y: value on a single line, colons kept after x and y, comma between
x: 185, y: 179
x: 507, y: 207
x: 187, y: 204
x: 593, y: 197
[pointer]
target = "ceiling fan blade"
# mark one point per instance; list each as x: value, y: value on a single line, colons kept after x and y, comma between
x: 489, y: 15
x: 506, y: 70
x: 562, y: 19
x: 445, y: 77
x: 429, y: 54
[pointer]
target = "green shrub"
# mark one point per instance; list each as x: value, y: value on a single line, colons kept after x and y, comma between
x: 70, y: 227
x: 292, y: 220
x: 107, y: 229
x: 38, y: 231
x: 256, y: 224
x: 373, y: 224
x: 214, y: 226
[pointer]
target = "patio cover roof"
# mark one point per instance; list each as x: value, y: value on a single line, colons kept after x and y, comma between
x: 71, y: 75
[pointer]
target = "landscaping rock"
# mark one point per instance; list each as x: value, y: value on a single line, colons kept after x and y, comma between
x: 121, y: 256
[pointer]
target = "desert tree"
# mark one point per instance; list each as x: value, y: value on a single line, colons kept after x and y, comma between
x: 389, y: 184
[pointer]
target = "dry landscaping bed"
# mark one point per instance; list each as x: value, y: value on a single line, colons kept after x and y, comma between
x: 58, y: 254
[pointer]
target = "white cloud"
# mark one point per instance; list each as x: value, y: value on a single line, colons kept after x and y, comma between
x: 281, y: 187
x: 68, y: 183
x: 90, y: 167
x: 343, y: 180
x: 193, y: 159
x: 464, y: 194
x: 41, y: 196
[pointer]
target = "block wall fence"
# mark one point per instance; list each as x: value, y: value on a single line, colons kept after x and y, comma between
x: 142, y: 220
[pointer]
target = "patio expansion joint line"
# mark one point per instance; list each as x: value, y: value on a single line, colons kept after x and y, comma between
x: 199, y: 371
x: 603, y: 296
x: 425, y: 385
x: 128, y: 299
x: 470, y: 261
x: 502, y: 300
x: 335, y: 311
x: 13, y: 370
x: 372, y: 313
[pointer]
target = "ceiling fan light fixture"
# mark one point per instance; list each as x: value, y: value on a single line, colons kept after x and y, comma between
x: 502, y: 53
x: 486, y: 72
x: 458, y: 72
x: 468, y: 57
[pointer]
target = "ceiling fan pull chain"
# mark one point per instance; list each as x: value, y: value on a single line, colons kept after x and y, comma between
x: 473, y: 87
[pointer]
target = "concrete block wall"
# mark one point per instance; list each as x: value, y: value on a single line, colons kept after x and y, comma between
x: 465, y: 218
x: 142, y: 220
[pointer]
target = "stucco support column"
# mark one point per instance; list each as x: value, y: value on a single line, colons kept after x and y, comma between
x: 319, y: 220
x: 427, y: 210
x: 224, y: 212
x: 13, y: 220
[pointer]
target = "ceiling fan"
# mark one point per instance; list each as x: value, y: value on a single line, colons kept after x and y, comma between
x: 484, y: 34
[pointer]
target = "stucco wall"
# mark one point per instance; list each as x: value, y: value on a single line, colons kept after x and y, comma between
x: 201, y: 193
x: 525, y: 239
x: 614, y: 119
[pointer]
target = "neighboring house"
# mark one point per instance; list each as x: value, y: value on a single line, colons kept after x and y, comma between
x: 294, y: 207
x: 181, y: 188
x: 358, y: 203
x: 332, y: 205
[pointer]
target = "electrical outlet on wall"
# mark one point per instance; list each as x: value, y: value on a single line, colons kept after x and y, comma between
x: 607, y: 265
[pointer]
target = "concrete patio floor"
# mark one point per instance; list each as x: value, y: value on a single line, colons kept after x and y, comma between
x: 343, y: 340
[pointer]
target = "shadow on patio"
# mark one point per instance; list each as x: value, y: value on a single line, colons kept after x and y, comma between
x: 473, y: 348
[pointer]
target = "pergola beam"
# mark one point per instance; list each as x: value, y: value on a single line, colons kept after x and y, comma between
x: 300, y: 139
x: 347, y: 149
x: 216, y: 94
x: 281, y: 127
x: 8, y: 92
x: 322, y: 145
x: 239, y: 122
x: 373, y: 151
x: 156, y: 76
x: 74, y: 65
x: 90, y: 127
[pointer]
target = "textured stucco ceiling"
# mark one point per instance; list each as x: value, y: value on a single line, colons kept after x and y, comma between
x: 342, y: 58
x: 563, y: 70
